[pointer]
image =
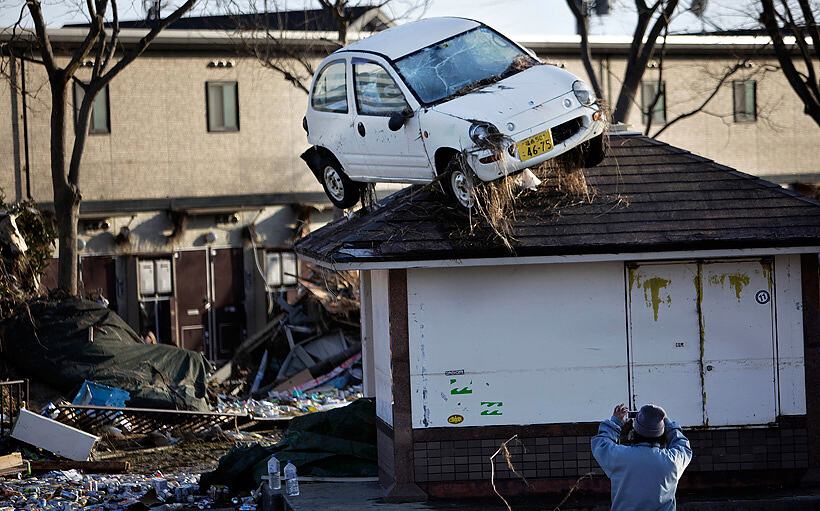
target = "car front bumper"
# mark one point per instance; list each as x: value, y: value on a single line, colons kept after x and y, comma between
x: 509, y: 162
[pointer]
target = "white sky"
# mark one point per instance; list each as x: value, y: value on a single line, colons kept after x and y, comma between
x: 517, y: 18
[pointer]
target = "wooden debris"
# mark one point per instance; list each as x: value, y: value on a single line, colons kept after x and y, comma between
x: 13, y: 464
x: 100, y: 467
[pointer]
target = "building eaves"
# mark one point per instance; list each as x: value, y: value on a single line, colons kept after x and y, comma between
x: 202, y: 39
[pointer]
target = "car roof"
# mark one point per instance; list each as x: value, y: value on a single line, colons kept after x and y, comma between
x: 401, y: 40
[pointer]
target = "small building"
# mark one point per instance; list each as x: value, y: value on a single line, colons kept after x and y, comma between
x: 682, y: 282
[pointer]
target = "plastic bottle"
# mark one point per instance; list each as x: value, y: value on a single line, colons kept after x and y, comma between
x: 291, y: 480
x: 274, y: 475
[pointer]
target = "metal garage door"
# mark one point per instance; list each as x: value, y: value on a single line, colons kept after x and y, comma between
x: 701, y: 340
x: 738, y: 352
x: 665, y: 339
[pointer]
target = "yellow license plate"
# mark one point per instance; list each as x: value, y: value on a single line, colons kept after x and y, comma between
x: 535, y: 145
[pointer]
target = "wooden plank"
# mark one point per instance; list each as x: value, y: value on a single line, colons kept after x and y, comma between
x: 12, y: 464
x: 102, y: 467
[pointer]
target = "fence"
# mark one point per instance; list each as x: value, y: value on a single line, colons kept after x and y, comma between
x: 13, y: 397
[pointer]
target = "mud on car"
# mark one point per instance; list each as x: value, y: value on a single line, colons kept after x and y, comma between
x: 442, y: 98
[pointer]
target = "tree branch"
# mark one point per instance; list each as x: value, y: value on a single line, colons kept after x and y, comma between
x: 729, y: 72
x: 768, y: 18
x: 586, y: 54
x: 146, y: 40
x: 46, y: 50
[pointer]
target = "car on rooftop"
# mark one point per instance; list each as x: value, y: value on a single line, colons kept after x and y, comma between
x: 446, y: 99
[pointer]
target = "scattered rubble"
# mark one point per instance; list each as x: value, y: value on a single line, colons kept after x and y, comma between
x: 70, y: 490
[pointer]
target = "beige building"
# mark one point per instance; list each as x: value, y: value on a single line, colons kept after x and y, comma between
x: 193, y: 189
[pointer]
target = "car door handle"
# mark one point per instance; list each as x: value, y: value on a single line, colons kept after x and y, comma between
x: 361, y: 130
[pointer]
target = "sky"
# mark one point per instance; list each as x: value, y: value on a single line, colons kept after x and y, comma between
x: 522, y: 19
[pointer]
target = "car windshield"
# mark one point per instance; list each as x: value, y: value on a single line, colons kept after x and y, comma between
x: 462, y: 63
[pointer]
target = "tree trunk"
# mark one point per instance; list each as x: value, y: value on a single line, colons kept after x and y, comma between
x: 66, y: 205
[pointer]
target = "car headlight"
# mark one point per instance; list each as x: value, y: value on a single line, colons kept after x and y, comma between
x: 583, y: 93
x: 482, y: 132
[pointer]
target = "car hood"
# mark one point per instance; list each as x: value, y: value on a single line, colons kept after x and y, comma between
x: 506, y: 100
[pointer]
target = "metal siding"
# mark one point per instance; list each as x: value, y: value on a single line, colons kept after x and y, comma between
x: 556, y: 332
x: 738, y: 355
x: 665, y: 339
x: 790, y: 361
x: 381, y: 345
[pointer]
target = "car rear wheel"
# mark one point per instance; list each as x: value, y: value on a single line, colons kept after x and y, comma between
x: 593, y: 151
x: 459, y: 182
x: 340, y: 189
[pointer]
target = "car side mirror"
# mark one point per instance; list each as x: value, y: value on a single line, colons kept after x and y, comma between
x: 397, y: 119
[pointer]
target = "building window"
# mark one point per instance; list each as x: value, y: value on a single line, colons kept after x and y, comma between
x: 222, y: 106
x: 99, y: 122
x: 330, y: 89
x: 376, y: 92
x: 744, y: 94
x: 281, y: 269
x: 649, y: 90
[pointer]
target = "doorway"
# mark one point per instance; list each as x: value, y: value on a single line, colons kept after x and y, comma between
x: 210, y: 296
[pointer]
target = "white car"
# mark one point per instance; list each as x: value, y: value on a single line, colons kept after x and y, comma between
x: 442, y: 98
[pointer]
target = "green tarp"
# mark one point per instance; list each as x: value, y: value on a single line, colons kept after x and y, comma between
x: 336, y: 443
x: 65, y: 342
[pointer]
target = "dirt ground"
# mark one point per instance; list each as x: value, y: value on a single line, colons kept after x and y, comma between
x: 191, y: 456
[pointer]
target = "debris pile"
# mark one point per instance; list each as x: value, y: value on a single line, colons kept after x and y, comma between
x: 306, y: 359
x: 335, y: 443
x: 67, y: 342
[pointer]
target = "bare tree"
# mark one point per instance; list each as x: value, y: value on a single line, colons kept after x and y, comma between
x: 798, y: 19
x: 651, y: 22
x: 264, y: 33
x: 98, y: 50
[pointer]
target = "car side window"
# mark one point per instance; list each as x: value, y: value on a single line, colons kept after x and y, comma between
x: 330, y: 89
x: 376, y: 91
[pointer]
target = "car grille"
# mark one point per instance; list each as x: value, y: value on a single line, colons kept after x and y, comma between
x: 566, y: 129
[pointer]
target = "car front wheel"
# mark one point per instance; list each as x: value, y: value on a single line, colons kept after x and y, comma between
x: 340, y: 189
x: 459, y: 182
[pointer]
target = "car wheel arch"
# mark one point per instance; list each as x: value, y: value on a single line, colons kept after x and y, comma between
x: 317, y: 156
x: 442, y: 158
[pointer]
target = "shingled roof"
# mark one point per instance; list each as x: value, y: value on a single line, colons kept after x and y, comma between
x: 650, y: 196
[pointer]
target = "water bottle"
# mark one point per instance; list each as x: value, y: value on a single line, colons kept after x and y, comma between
x: 274, y: 477
x: 291, y: 480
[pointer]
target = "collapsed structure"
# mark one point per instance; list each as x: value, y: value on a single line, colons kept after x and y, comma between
x: 684, y: 283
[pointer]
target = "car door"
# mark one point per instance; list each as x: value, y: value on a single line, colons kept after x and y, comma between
x: 330, y: 115
x: 382, y: 154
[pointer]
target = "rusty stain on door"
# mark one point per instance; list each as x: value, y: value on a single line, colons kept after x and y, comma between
x: 652, y: 288
x: 737, y: 281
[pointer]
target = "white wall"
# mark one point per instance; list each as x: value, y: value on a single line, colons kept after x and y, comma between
x: 380, y: 320
x: 547, y: 342
x: 501, y: 345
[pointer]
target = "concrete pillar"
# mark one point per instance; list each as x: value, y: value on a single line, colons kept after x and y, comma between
x: 404, y: 488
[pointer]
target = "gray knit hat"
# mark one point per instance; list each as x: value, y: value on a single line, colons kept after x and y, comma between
x: 649, y: 422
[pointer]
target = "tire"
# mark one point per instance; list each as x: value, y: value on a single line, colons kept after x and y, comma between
x: 458, y: 182
x: 593, y: 151
x: 340, y: 189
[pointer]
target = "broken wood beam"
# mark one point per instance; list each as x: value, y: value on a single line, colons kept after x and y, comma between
x: 102, y: 467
